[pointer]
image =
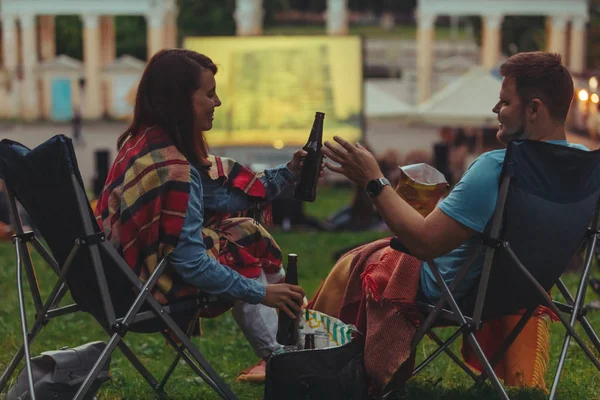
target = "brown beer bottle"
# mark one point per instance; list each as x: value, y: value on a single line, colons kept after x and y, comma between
x: 306, y: 188
x: 287, y: 328
x: 309, y: 341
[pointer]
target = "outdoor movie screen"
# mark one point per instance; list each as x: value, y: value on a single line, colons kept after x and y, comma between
x: 271, y: 87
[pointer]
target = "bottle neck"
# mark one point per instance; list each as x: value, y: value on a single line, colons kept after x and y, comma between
x: 316, y: 133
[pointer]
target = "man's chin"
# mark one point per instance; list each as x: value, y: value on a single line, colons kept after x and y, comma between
x: 502, y: 136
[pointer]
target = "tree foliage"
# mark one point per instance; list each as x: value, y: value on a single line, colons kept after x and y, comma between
x: 518, y: 33
x: 69, y: 36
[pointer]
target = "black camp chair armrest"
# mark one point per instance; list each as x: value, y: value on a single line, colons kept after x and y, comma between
x: 396, y: 244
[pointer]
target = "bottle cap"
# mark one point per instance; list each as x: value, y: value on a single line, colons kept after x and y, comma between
x: 320, y: 115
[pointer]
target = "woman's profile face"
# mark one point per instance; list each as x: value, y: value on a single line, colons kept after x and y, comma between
x: 205, y: 100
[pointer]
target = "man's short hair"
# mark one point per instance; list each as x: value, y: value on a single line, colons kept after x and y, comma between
x: 541, y: 75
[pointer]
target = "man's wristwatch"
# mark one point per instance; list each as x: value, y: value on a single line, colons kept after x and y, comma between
x: 375, y: 186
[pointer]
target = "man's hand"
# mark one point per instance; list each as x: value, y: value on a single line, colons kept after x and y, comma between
x: 295, y: 165
x: 356, y: 162
x: 287, y: 298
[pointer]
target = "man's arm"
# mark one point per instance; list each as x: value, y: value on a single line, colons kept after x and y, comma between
x: 426, y: 238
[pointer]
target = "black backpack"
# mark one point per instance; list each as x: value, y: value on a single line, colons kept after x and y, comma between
x: 57, y: 375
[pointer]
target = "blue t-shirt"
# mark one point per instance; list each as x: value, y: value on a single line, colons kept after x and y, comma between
x: 472, y: 203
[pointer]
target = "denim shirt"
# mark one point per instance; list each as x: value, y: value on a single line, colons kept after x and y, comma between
x: 189, y: 258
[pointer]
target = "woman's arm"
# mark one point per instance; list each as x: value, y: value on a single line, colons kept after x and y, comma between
x: 219, y: 198
x: 195, y: 266
x: 190, y: 260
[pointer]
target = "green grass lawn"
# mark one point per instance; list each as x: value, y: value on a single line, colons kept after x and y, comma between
x: 224, y: 346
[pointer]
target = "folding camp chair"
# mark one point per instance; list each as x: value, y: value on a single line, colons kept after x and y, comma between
x: 47, y: 183
x: 548, y: 207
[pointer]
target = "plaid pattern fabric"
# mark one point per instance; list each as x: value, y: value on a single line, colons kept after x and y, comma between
x: 143, y: 206
x: 379, y: 299
x: 235, y: 176
x: 244, y: 246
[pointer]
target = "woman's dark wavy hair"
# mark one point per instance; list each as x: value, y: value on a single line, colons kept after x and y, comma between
x: 164, y: 99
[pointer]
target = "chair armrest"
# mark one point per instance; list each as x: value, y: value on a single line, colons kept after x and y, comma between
x: 396, y: 244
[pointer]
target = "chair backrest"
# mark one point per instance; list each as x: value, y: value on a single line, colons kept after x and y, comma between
x: 552, y: 200
x: 47, y: 183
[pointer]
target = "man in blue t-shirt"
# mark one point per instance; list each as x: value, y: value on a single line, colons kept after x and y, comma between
x: 534, y: 101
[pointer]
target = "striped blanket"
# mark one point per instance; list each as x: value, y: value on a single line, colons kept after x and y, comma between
x: 143, y: 207
x: 374, y: 288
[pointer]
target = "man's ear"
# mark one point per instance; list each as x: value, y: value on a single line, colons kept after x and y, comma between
x: 534, y: 108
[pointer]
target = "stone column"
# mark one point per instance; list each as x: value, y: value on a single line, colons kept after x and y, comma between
x: 425, y: 55
x: 10, y: 56
x: 108, y: 53
x: 47, y: 37
x: 155, y: 36
x: 557, y: 34
x: 577, y: 45
x: 107, y: 39
x: 170, y: 39
x: 92, y: 102
x: 337, y: 17
x: 47, y: 42
x: 248, y: 17
x: 29, y: 91
x: 492, y: 40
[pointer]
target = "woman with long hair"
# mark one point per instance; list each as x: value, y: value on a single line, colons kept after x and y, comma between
x: 166, y: 196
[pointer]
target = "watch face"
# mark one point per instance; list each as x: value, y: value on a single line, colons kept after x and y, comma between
x: 373, y: 188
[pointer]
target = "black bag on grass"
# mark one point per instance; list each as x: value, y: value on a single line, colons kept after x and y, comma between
x: 57, y: 375
x: 334, y: 373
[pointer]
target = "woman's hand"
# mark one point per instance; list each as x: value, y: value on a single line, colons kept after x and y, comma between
x: 356, y: 162
x: 295, y: 165
x: 287, y: 298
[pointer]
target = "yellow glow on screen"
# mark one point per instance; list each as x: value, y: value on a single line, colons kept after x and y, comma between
x: 271, y: 87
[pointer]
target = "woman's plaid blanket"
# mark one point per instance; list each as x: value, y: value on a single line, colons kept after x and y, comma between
x: 143, y: 207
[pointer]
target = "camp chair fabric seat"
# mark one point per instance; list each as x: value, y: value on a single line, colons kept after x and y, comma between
x: 547, y: 209
x: 47, y: 183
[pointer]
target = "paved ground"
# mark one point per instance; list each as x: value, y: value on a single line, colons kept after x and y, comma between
x: 381, y: 135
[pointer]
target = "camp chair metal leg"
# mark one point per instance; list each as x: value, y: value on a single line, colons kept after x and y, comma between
x: 18, y: 244
x: 54, y: 298
x: 583, y: 320
x: 173, y: 365
x: 180, y: 349
x: 222, y: 388
x: 31, y: 278
x: 507, y: 343
x: 427, y: 324
x: 591, y: 333
x: 442, y: 347
x: 138, y: 365
x: 205, y: 371
x: 486, y: 366
x: 470, y: 336
x: 25, y: 255
x: 568, y: 326
x: 169, y: 372
x: 116, y: 338
x: 453, y: 356
x: 89, y: 379
x: 12, y: 366
x: 45, y: 254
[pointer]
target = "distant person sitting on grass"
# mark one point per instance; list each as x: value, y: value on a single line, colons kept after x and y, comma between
x: 165, y: 196
x: 534, y: 101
